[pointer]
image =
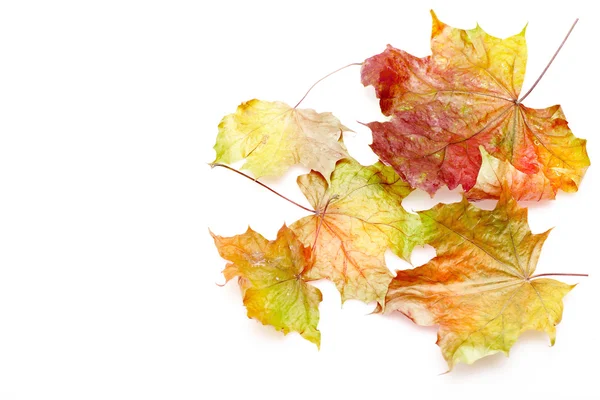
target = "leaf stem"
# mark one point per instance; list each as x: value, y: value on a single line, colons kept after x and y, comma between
x: 323, y: 78
x: 261, y: 184
x: 555, y: 274
x: 321, y: 215
x: 551, y: 60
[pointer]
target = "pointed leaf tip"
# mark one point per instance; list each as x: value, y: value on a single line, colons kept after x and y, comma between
x: 437, y: 26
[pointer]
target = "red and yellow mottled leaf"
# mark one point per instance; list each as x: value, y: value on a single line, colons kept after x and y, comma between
x: 495, y: 174
x: 480, y: 288
x: 272, y: 136
x: 360, y: 215
x: 272, y: 280
x: 466, y: 95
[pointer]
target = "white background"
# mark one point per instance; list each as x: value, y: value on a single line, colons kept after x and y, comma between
x: 108, y: 114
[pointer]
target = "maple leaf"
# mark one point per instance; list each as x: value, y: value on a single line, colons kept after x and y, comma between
x: 273, y: 136
x: 495, y: 174
x: 272, y: 280
x: 466, y: 95
x: 480, y: 287
x: 359, y: 216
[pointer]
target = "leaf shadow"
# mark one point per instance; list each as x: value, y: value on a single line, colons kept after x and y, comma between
x: 526, y: 344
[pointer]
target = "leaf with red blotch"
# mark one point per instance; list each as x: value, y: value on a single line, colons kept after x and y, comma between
x: 495, y: 174
x: 480, y: 288
x: 271, y: 276
x: 466, y: 95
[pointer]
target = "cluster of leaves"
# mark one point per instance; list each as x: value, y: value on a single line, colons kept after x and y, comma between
x: 456, y: 119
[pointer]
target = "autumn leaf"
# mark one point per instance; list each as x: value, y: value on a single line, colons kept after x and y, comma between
x: 272, y: 280
x: 359, y: 216
x: 272, y: 136
x: 480, y: 288
x: 466, y: 95
x: 495, y: 174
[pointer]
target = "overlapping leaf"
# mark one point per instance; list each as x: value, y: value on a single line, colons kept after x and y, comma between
x: 495, y: 175
x: 480, y: 287
x: 272, y: 280
x: 466, y: 95
x: 272, y: 136
x: 359, y: 216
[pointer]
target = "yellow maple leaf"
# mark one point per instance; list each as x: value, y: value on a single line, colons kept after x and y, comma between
x: 359, y: 216
x: 480, y: 288
x: 272, y: 136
